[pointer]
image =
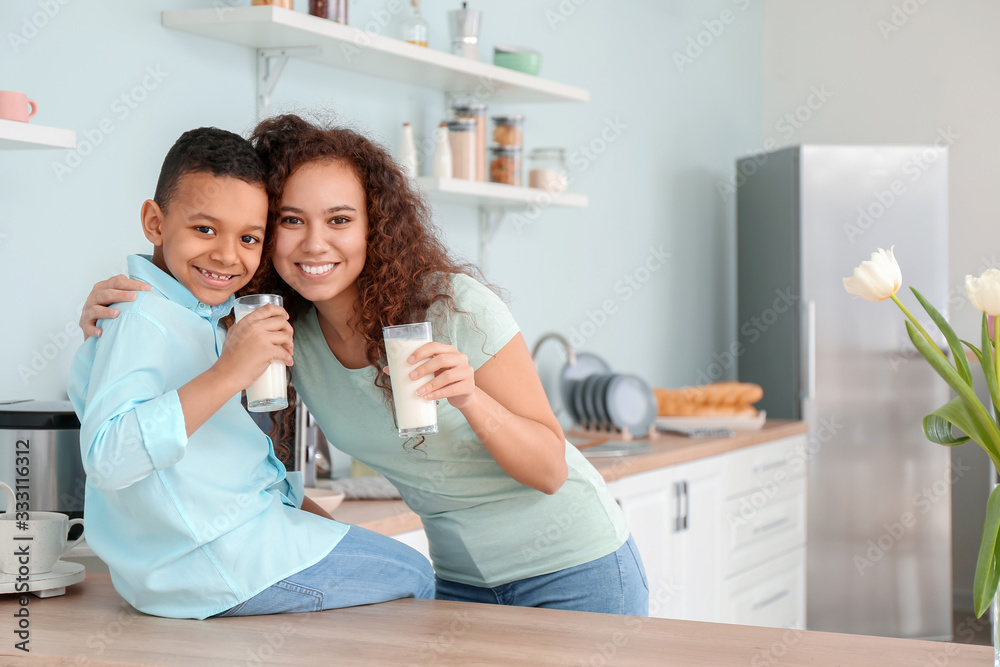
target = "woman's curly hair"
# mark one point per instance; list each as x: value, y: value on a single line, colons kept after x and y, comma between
x: 407, y: 268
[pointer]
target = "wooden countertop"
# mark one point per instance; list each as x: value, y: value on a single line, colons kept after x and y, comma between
x: 393, y: 517
x: 91, y: 625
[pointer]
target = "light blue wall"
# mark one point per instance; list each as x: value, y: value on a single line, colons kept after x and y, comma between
x: 653, y: 187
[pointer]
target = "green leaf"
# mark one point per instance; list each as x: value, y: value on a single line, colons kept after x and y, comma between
x: 987, y: 361
x: 985, y: 582
x: 956, y: 412
x: 961, y: 363
x: 938, y: 424
x: 986, y: 433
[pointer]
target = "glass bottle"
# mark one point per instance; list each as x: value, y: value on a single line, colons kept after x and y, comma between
x: 442, y: 153
x: 415, y: 27
x: 408, y: 152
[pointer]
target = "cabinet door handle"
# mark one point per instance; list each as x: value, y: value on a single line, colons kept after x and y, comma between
x: 771, y: 600
x: 678, y: 503
x: 763, y: 528
x: 770, y: 465
x: 687, y: 505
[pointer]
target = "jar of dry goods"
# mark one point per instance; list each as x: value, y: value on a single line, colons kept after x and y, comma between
x: 505, y: 165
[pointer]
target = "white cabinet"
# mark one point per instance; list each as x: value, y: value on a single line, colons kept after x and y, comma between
x: 723, y: 538
x: 675, y: 518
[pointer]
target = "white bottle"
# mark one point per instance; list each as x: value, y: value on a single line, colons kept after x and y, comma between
x: 442, y: 153
x: 408, y: 157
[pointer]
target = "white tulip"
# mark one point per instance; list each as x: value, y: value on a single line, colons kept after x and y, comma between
x: 984, y: 291
x: 876, y: 279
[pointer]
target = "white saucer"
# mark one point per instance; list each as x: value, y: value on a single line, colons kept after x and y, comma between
x: 47, y: 584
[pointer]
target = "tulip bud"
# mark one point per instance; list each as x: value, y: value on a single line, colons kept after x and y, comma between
x: 984, y: 291
x: 876, y: 279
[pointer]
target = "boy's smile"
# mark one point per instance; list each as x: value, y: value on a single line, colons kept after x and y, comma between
x: 211, y: 234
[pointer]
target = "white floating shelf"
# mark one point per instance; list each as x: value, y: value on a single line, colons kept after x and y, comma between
x: 16, y: 135
x: 495, y: 195
x: 346, y: 47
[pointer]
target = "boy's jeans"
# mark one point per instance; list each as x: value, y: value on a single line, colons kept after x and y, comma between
x: 364, y: 568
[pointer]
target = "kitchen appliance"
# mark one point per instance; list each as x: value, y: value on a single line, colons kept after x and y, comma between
x: 464, y: 26
x: 879, y: 536
x: 48, y: 432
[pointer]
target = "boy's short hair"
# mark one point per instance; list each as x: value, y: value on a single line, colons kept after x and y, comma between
x: 210, y: 150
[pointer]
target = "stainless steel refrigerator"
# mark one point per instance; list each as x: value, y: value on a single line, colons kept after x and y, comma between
x: 879, y: 536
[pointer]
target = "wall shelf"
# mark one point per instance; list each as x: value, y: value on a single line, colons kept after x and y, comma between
x: 15, y: 135
x: 495, y: 195
x: 350, y: 48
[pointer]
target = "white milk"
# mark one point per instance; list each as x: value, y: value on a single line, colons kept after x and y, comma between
x: 271, y: 385
x: 412, y: 411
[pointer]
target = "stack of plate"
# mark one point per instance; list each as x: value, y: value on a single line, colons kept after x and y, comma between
x: 601, y: 400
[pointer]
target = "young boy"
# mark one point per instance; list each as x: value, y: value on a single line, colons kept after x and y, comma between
x: 185, y: 500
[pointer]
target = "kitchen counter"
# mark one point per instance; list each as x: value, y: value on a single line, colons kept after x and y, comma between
x: 393, y: 517
x: 91, y: 625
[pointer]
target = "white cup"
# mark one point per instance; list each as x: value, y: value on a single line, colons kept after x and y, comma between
x: 34, y: 545
x: 269, y: 391
x: 415, y: 415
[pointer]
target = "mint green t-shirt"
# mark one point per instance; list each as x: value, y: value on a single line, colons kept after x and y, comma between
x: 484, y: 528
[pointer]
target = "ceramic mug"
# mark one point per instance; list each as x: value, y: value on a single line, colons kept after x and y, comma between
x: 15, y: 106
x: 33, y: 545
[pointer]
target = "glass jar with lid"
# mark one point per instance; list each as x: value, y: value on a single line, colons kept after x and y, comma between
x: 507, y: 130
x: 547, y: 170
x: 505, y: 165
x: 476, y: 112
x: 462, y: 139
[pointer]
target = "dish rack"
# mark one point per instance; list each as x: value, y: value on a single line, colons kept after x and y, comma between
x: 582, y: 431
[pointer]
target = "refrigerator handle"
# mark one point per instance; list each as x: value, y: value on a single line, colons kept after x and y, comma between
x: 808, y: 372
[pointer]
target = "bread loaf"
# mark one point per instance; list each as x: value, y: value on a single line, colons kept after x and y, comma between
x: 720, y: 398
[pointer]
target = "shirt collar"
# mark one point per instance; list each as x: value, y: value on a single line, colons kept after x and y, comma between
x: 141, y: 267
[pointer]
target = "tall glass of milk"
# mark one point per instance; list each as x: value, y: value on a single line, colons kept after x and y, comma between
x: 268, y: 392
x: 415, y: 415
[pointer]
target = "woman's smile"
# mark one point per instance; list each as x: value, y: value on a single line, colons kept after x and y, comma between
x: 322, y: 233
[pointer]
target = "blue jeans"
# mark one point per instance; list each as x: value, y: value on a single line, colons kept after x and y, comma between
x: 613, y: 584
x: 364, y: 568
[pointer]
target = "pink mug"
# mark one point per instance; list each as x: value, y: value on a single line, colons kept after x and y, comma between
x: 14, y: 106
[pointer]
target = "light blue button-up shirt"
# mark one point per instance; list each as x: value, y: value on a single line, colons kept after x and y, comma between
x: 189, y: 527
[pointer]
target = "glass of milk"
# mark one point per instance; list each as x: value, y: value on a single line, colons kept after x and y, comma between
x: 415, y: 415
x: 268, y: 392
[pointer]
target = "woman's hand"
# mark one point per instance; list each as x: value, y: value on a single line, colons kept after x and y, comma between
x: 454, y: 378
x: 113, y: 290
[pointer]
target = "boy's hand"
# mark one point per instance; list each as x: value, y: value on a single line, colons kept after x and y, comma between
x: 113, y: 290
x: 261, y: 337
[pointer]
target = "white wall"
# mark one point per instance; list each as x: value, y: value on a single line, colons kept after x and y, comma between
x: 906, y: 72
x: 651, y: 187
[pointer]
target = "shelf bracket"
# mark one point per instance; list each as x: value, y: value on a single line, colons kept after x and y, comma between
x: 270, y: 64
x: 490, y: 220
